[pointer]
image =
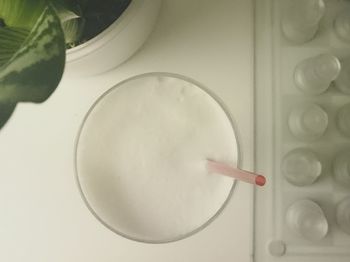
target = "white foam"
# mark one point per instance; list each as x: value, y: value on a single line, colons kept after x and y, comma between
x: 141, y: 158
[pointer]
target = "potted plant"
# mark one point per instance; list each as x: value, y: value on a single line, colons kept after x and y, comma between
x: 32, y: 53
x: 34, y: 35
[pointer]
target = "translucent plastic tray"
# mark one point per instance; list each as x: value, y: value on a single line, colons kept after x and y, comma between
x: 276, y: 97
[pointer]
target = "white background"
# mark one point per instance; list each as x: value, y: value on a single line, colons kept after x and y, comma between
x: 42, y: 216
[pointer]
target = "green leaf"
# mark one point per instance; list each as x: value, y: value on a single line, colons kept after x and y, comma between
x: 69, y: 12
x: 67, y: 9
x: 6, y: 111
x: 35, y: 70
x: 21, y: 13
x: 10, y: 41
x: 73, y: 30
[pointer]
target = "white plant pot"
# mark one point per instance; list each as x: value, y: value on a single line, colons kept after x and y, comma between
x: 116, y: 43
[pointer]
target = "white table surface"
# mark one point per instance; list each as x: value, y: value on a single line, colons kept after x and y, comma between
x: 42, y: 216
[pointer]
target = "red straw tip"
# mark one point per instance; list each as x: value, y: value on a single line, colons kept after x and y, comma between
x: 260, y: 180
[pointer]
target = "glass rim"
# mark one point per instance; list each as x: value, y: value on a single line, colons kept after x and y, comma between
x: 81, y: 127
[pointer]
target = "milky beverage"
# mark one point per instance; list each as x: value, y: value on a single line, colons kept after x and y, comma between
x: 141, y: 158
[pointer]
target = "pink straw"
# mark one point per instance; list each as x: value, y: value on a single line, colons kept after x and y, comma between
x: 242, y: 175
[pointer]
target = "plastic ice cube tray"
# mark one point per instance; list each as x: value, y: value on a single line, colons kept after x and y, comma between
x: 302, y: 137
